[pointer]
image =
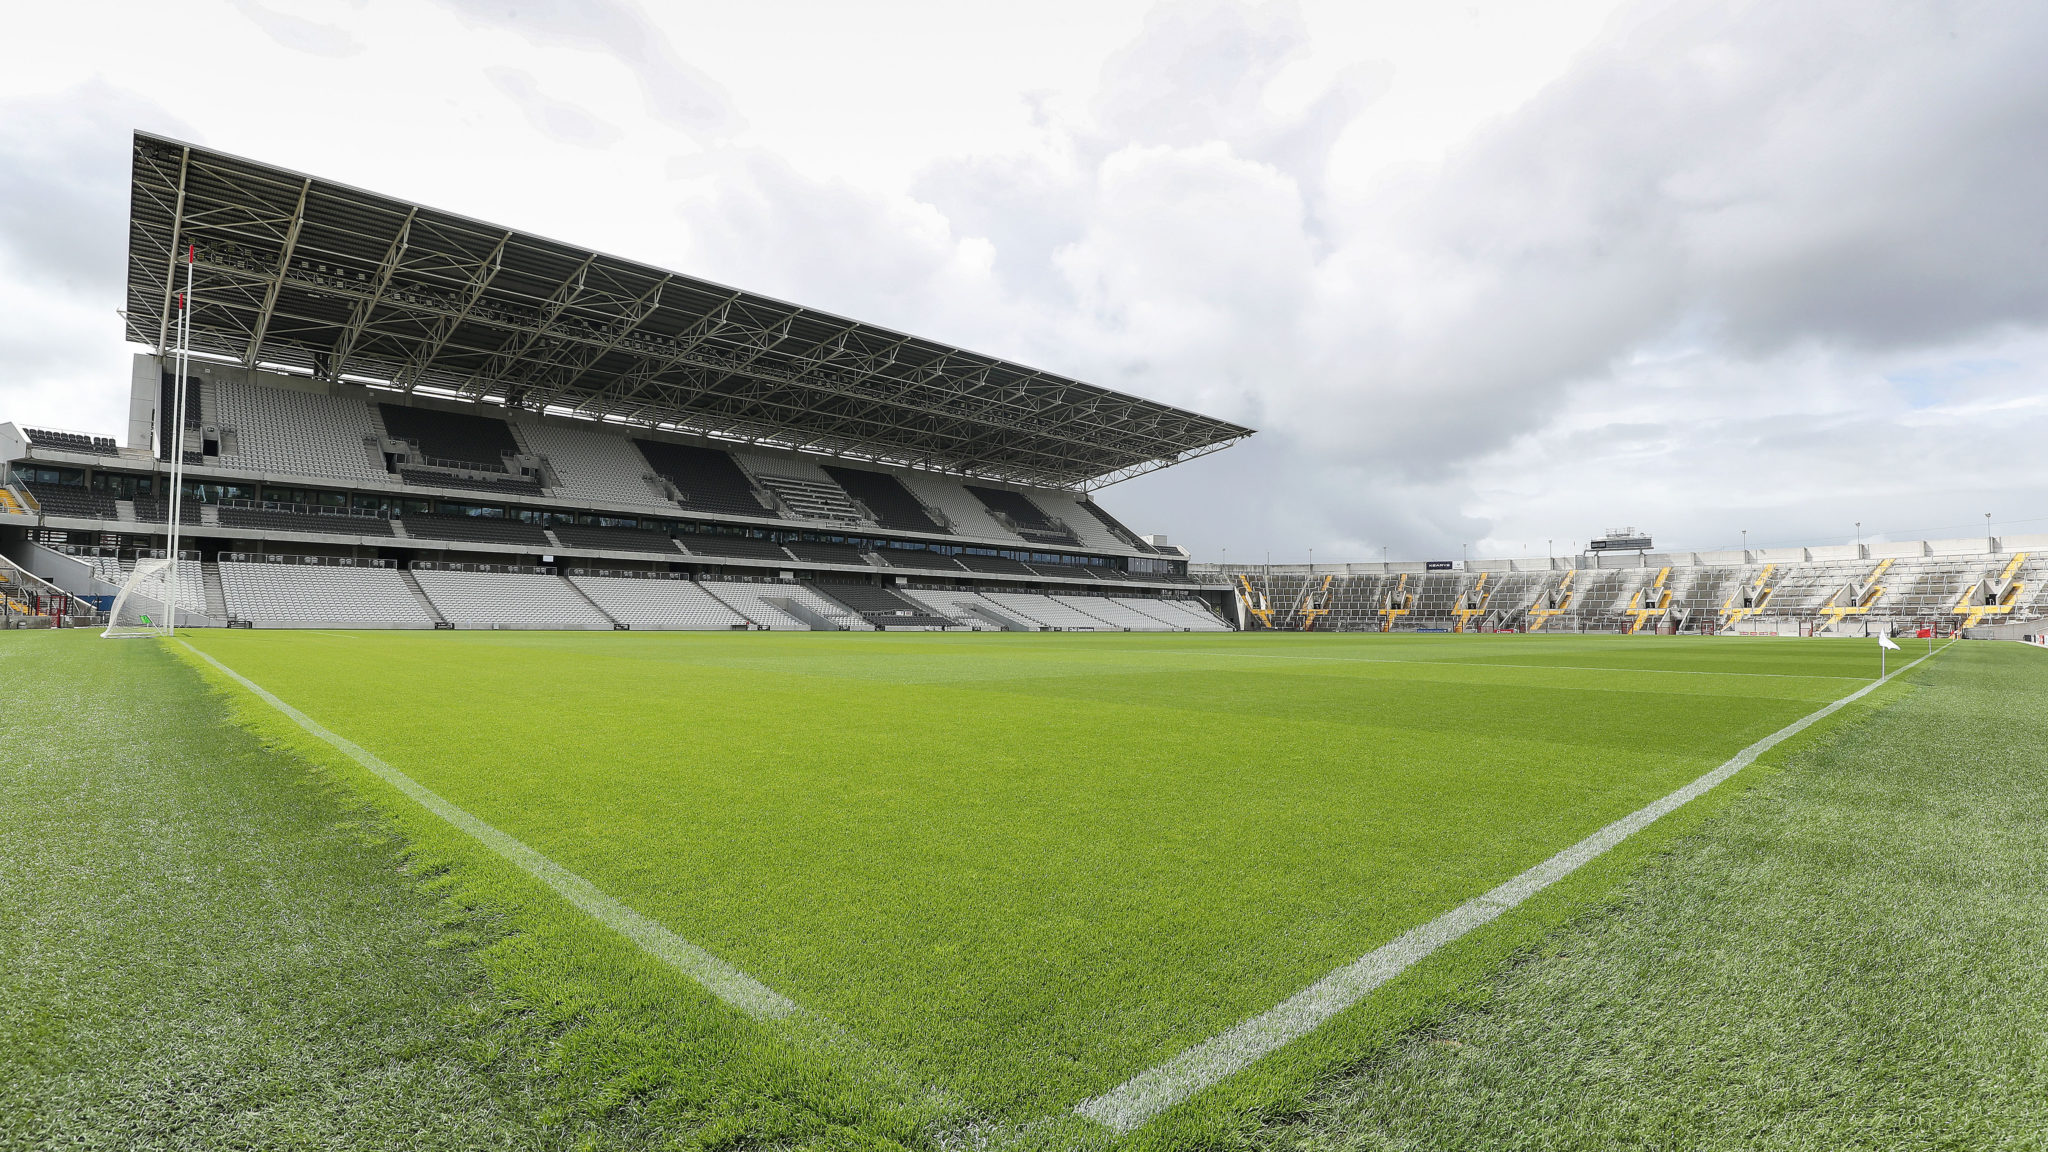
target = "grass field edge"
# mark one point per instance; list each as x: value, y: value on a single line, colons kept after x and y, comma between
x: 1459, y: 970
x: 816, y: 1082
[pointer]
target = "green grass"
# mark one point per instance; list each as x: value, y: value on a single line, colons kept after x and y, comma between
x: 201, y: 949
x: 1852, y: 955
x: 1014, y: 869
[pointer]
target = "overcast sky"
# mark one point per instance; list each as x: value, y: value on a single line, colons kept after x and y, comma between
x: 1483, y: 275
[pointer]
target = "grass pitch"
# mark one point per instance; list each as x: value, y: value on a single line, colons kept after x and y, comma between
x: 1022, y: 869
x: 1851, y: 956
x: 1009, y: 872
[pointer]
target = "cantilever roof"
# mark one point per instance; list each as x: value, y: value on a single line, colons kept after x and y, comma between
x: 307, y: 274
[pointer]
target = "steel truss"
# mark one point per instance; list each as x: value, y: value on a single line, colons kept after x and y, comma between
x: 311, y: 276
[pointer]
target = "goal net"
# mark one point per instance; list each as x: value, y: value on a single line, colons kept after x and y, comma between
x: 144, y: 607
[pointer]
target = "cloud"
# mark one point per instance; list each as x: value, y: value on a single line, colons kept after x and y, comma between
x: 64, y: 161
x: 563, y: 121
x: 1768, y: 266
x: 298, y: 33
x: 1725, y: 192
x: 678, y: 94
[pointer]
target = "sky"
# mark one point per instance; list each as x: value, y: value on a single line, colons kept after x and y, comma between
x: 1489, y: 278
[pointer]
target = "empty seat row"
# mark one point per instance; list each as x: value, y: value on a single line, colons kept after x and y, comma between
x: 657, y: 604
x: 474, y: 441
x: 508, y: 600
x: 303, y: 595
x: 292, y: 432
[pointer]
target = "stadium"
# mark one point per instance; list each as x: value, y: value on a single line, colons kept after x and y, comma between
x: 726, y: 724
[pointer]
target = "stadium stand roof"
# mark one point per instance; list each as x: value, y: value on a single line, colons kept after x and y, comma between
x: 313, y: 276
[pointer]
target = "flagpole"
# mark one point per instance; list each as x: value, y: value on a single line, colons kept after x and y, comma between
x: 176, y: 504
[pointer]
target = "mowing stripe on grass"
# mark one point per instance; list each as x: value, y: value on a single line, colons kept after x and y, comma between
x: 1535, y: 667
x: 1156, y: 1089
x: 718, y: 977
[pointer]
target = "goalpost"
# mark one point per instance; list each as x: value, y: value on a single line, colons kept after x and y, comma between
x: 145, y: 606
x: 148, y: 602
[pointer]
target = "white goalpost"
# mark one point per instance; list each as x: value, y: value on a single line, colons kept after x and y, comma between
x: 148, y: 602
x: 146, y: 605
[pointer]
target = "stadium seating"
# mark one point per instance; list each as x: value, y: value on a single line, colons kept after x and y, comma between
x: 917, y: 558
x: 320, y: 595
x: 737, y: 547
x: 107, y: 568
x: 1046, y: 611
x: 72, y: 442
x: 706, y: 479
x: 1107, y: 530
x: 191, y: 581
x: 72, y: 500
x: 507, y: 485
x: 280, y: 520
x: 478, y: 530
x: 1115, y: 612
x: 470, y: 599
x: 893, y: 505
x: 290, y: 432
x: 755, y: 599
x: 965, y: 515
x: 820, y: 552
x: 994, y: 565
x: 647, y: 604
x: 881, y: 607
x: 1191, y: 613
x: 195, y: 407
x: 596, y: 466
x: 1015, y: 511
x: 457, y: 439
x: 613, y: 539
x: 808, y: 497
x: 1074, y: 571
x: 151, y: 510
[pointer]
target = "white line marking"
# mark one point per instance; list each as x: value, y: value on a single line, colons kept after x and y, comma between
x: 1156, y: 1089
x: 717, y: 976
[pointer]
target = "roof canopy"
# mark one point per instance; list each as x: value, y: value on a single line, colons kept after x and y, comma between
x: 305, y: 274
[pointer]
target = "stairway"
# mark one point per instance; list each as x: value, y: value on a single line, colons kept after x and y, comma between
x: 411, y: 582
x: 216, y: 598
x: 583, y: 596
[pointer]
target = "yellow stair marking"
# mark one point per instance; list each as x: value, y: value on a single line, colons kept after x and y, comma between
x: 1251, y: 601
x: 1387, y: 614
x: 2007, y: 600
x: 1834, y: 612
x: 10, y: 505
x: 1315, y: 604
x: 1660, y: 597
x: 1465, y: 615
x: 1761, y: 593
x: 1538, y: 617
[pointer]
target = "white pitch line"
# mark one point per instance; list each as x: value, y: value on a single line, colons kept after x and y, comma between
x: 1156, y: 1089
x: 717, y: 976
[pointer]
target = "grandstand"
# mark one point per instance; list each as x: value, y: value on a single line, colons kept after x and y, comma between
x: 399, y: 417
x: 1944, y: 585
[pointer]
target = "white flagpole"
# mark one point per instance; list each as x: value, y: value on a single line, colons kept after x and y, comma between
x: 178, y: 440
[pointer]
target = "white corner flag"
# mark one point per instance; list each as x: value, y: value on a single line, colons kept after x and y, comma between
x: 1885, y: 646
x: 1884, y: 641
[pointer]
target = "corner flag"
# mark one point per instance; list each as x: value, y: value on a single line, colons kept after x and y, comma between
x: 1884, y: 641
x: 1884, y: 647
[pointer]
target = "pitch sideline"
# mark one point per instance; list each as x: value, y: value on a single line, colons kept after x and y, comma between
x: 1144, y: 1096
x: 717, y: 976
